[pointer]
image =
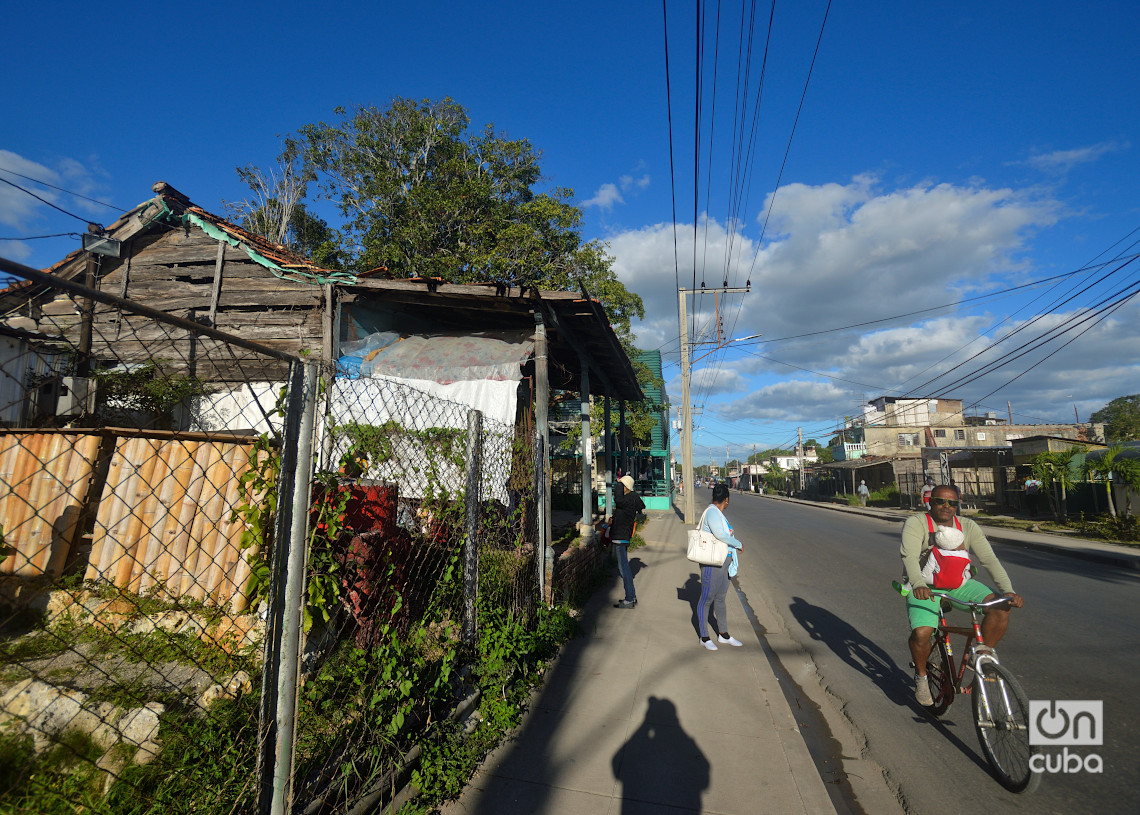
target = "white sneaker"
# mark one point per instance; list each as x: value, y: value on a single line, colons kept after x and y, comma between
x: 709, y: 644
x: 922, y: 693
x: 730, y: 640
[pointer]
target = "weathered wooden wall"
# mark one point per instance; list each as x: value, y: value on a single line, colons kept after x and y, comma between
x: 185, y: 274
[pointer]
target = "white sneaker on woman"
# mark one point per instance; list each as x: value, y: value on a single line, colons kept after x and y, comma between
x: 729, y: 640
x: 709, y: 644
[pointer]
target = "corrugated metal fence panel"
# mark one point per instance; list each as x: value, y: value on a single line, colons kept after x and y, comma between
x: 44, y: 478
x: 164, y: 520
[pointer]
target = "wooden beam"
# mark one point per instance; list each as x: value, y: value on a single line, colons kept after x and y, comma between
x: 126, y: 272
x: 216, y: 290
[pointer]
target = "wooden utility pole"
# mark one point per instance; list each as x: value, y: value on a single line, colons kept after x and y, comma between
x: 686, y: 407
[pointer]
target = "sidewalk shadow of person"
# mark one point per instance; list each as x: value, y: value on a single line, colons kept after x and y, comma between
x: 635, y: 565
x: 660, y: 763
x: 691, y: 594
x: 850, y: 645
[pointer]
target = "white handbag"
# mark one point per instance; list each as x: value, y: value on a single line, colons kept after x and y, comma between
x: 706, y: 548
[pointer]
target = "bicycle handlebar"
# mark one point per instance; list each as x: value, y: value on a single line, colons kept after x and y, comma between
x: 988, y: 604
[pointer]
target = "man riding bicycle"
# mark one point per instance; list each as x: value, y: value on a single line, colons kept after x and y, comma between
x: 952, y: 537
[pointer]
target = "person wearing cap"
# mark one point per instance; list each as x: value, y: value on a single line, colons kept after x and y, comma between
x: 627, y: 506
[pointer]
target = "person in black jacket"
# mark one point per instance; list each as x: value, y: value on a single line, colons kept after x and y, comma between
x: 622, y: 523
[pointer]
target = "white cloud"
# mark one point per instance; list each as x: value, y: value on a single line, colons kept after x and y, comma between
x: 791, y: 401
x: 846, y: 254
x: 628, y: 182
x: 605, y: 198
x: 609, y: 194
x: 17, y: 208
x: 1061, y: 161
x: 20, y: 210
x: 840, y: 254
x: 711, y: 381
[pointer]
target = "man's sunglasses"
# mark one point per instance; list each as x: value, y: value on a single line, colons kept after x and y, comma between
x: 941, y: 501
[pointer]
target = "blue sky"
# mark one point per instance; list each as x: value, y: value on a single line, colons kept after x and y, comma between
x: 944, y: 151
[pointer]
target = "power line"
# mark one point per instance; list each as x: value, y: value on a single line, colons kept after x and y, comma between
x: 44, y: 200
x: 672, y: 176
x: 41, y: 237
x: 61, y: 189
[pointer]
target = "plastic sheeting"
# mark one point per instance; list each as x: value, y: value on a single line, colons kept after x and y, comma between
x: 442, y: 358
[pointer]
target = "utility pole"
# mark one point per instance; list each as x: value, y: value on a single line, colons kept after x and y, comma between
x: 686, y: 407
x: 800, y: 455
x: 686, y: 422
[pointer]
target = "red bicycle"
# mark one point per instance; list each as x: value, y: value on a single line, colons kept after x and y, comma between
x: 1001, y: 707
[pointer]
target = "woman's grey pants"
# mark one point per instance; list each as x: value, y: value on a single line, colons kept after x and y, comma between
x: 714, y: 587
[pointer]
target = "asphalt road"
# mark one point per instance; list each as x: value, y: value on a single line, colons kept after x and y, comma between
x: 827, y: 575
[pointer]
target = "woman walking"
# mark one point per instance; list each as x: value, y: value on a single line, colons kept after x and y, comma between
x: 714, y: 579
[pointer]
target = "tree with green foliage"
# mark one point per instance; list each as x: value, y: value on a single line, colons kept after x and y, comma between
x: 422, y: 196
x: 1121, y: 418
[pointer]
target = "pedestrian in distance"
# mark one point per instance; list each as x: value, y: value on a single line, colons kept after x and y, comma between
x: 1032, y: 494
x: 927, y: 489
x: 863, y: 493
x: 714, y: 579
x: 627, y: 506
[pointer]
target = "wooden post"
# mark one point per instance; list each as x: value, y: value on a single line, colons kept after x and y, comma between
x: 609, y: 464
x: 87, y: 316
x: 623, y: 443
x: 541, y: 454
x: 587, y: 526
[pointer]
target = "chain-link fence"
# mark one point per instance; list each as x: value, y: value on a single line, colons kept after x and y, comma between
x: 231, y: 580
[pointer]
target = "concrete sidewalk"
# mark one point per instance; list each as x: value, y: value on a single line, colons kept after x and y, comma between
x: 635, y: 717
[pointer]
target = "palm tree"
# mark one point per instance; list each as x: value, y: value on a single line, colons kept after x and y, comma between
x: 1054, y: 472
x: 777, y: 473
x: 1102, y: 469
x: 1127, y: 473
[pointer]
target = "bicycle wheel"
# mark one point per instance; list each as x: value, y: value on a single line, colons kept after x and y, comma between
x: 1001, y: 717
x: 940, y: 677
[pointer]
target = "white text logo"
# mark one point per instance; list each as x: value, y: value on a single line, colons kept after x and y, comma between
x: 1066, y: 722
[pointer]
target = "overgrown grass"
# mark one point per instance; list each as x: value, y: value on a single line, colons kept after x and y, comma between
x: 63, y: 779
x: 207, y: 765
x: 887, y: 496
x: 1123, y: 530
x: 511, y: 660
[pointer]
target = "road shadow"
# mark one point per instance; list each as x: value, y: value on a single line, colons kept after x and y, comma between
x: 865, y: 656
x: 850, y: 645
x: 691, y: 594
x: 1075, y: 566
x: 660, y: 763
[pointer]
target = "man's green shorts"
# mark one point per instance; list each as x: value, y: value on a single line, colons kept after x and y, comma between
x: 925, y: 612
